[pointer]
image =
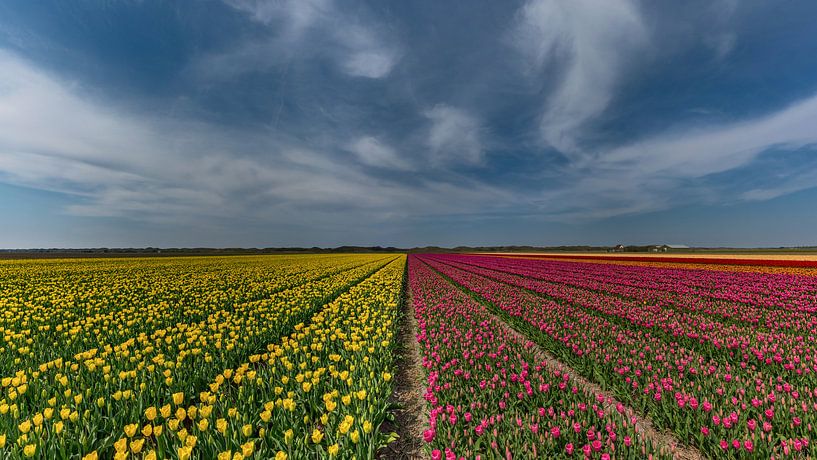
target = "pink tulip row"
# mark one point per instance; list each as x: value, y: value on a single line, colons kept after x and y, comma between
x: 773, y: 290
x: 787, y: 352
x: 707, y: 389
x: 492, y: 396
x: 784, y: 302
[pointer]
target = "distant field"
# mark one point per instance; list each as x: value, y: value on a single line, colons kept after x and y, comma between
x: 801, y: 263
x: 808, y: 256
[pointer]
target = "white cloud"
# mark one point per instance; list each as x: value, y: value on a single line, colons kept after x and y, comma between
x: 372, y: 152
x: 650, y: 174
x: 696, y: 153
x: 116, y: 163
x: 454, y: 135
x: 802, y: 180
x: 595, y: 42
x: 296, y: 15
x: 304, y: 29
x: 370, y: 63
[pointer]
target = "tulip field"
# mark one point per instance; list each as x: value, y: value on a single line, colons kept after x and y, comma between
x: 249, y: 357
x: 302, y: 356
x: 724, y: 361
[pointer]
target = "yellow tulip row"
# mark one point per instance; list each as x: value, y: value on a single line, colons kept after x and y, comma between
x: 47, y: 315
x: 321, y: 391
x: 100, y: 388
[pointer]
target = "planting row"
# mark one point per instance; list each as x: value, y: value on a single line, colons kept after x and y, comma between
x: 492, y: 396
x: 58, y: 309
x: 721, y: 399
x: 83, y: 403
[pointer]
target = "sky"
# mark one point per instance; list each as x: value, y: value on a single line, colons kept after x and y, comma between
x: 259, y: 123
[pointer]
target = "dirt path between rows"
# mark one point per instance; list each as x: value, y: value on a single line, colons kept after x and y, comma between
x: 643, y: 425
x: 412, y: 416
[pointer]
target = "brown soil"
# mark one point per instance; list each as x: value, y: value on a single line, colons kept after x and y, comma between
x: 412, y: 416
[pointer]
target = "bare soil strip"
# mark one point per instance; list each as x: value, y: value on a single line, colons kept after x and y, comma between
x: 412, y: 415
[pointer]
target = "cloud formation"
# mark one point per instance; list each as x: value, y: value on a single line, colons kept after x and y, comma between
x: 585, y: 47
x: 315, y: 117
x: 454, y: 135
x: 650, y: 174
x: 372, y: 152
x: 131, y: 166
x: 300, y: 29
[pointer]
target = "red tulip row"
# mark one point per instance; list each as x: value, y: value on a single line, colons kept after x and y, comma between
x: 712, y: 389
x: 745, y: 296
x: 778, y: 344
x: 492, y: 396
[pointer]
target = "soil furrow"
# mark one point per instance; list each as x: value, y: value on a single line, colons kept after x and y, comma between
x: 411, y: 416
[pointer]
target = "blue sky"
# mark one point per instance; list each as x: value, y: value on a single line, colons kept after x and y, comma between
x: 319, y: 122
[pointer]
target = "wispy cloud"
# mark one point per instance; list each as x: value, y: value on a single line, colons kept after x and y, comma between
x: 372, y: 152
x: 790, y: 183
x: 304, y: 30
x: 654, y: 173
x: 698, y: 152
x: 584, y: 46
x: 454, y: 135
x: 129, y: 166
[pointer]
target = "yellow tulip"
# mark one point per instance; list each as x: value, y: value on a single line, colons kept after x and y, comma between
x: 247, y: 448
x: 184, y: 452
x: 136, y: 445
x: 29, y: 450
x: 333, y: 449
x: 317, y: 435
x: 221, y: 425
x: 24, y: 427
x: 130, y: 430
x: 121, y: 445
